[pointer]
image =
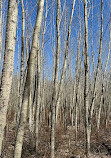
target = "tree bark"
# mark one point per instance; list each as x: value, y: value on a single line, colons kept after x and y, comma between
x: 8, y: 65
x: 29, y: 81
x: 86, y: 82
x: 37, y: 109
x: 22, y: 62
x: 55, y: 81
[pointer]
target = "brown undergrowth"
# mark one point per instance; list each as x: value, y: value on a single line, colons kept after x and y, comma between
x: 65, y: 146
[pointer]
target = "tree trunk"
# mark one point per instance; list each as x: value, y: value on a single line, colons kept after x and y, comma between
x: 90, y: 113
x: 37, y: 109
x: 100, y: 107
x: 55, y: 81
x: 8, y: 65
x: 29, y: 81
x: 65, y: 61
x: 22, y: 62
x: 86, y: 82
x: 98, y: 64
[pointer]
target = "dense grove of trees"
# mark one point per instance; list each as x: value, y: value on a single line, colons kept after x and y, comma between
x: 55, y: 73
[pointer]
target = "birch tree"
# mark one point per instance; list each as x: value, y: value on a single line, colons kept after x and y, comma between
x: 22, y: 61
x: 55, y: 80
x: 103, y: 79
x: 8, y: 65
x: 86, y: 80
x: 37, y: 109
x: 29, y: 81
x: 89, y: 109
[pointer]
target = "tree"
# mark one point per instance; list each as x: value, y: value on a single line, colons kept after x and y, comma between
x: 29, y: 81
x: 86, y: 80
x: 55, y: 80
x: 56, y: 96
x: 65, y: 61
x: 8, y: 64
x: 88, y: 110
x: 22, y: 62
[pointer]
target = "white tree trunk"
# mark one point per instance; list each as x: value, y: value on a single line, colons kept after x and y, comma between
x: 29, y: 81
x: 86, y: 82
x: 8, y: 64
x: 37, y: 109
x: 55, y: 81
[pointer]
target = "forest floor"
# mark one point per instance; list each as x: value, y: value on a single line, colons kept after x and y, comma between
x: 65, y: 146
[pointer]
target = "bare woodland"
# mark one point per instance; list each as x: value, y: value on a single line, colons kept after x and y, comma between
x: 55, y: 79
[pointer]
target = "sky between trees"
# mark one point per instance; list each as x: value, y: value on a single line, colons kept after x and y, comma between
x: 93, y: 23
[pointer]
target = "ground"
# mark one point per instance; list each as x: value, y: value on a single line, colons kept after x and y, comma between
x: 65, y: 142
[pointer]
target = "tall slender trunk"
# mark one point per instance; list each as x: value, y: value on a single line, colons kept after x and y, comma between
x: 86, y: 81
x: 65, y: 62
x: 18, y: 83
x: 37, y: 109
x: 8, y: 65
x: 100, y: 108
x: 55, y: 81
x: 22, y: 62
x: 97, y: 70
x: 58, y: 49
x: 29, y: 81
x: 77, y: 82
x: 98, y: 64
x: 42, y: 63
x: 54, y: 50
x: 91, y: 108
x: 103, y: 79
x: 107, y: 113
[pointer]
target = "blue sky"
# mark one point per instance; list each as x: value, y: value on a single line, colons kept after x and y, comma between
x: 31, y: 7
